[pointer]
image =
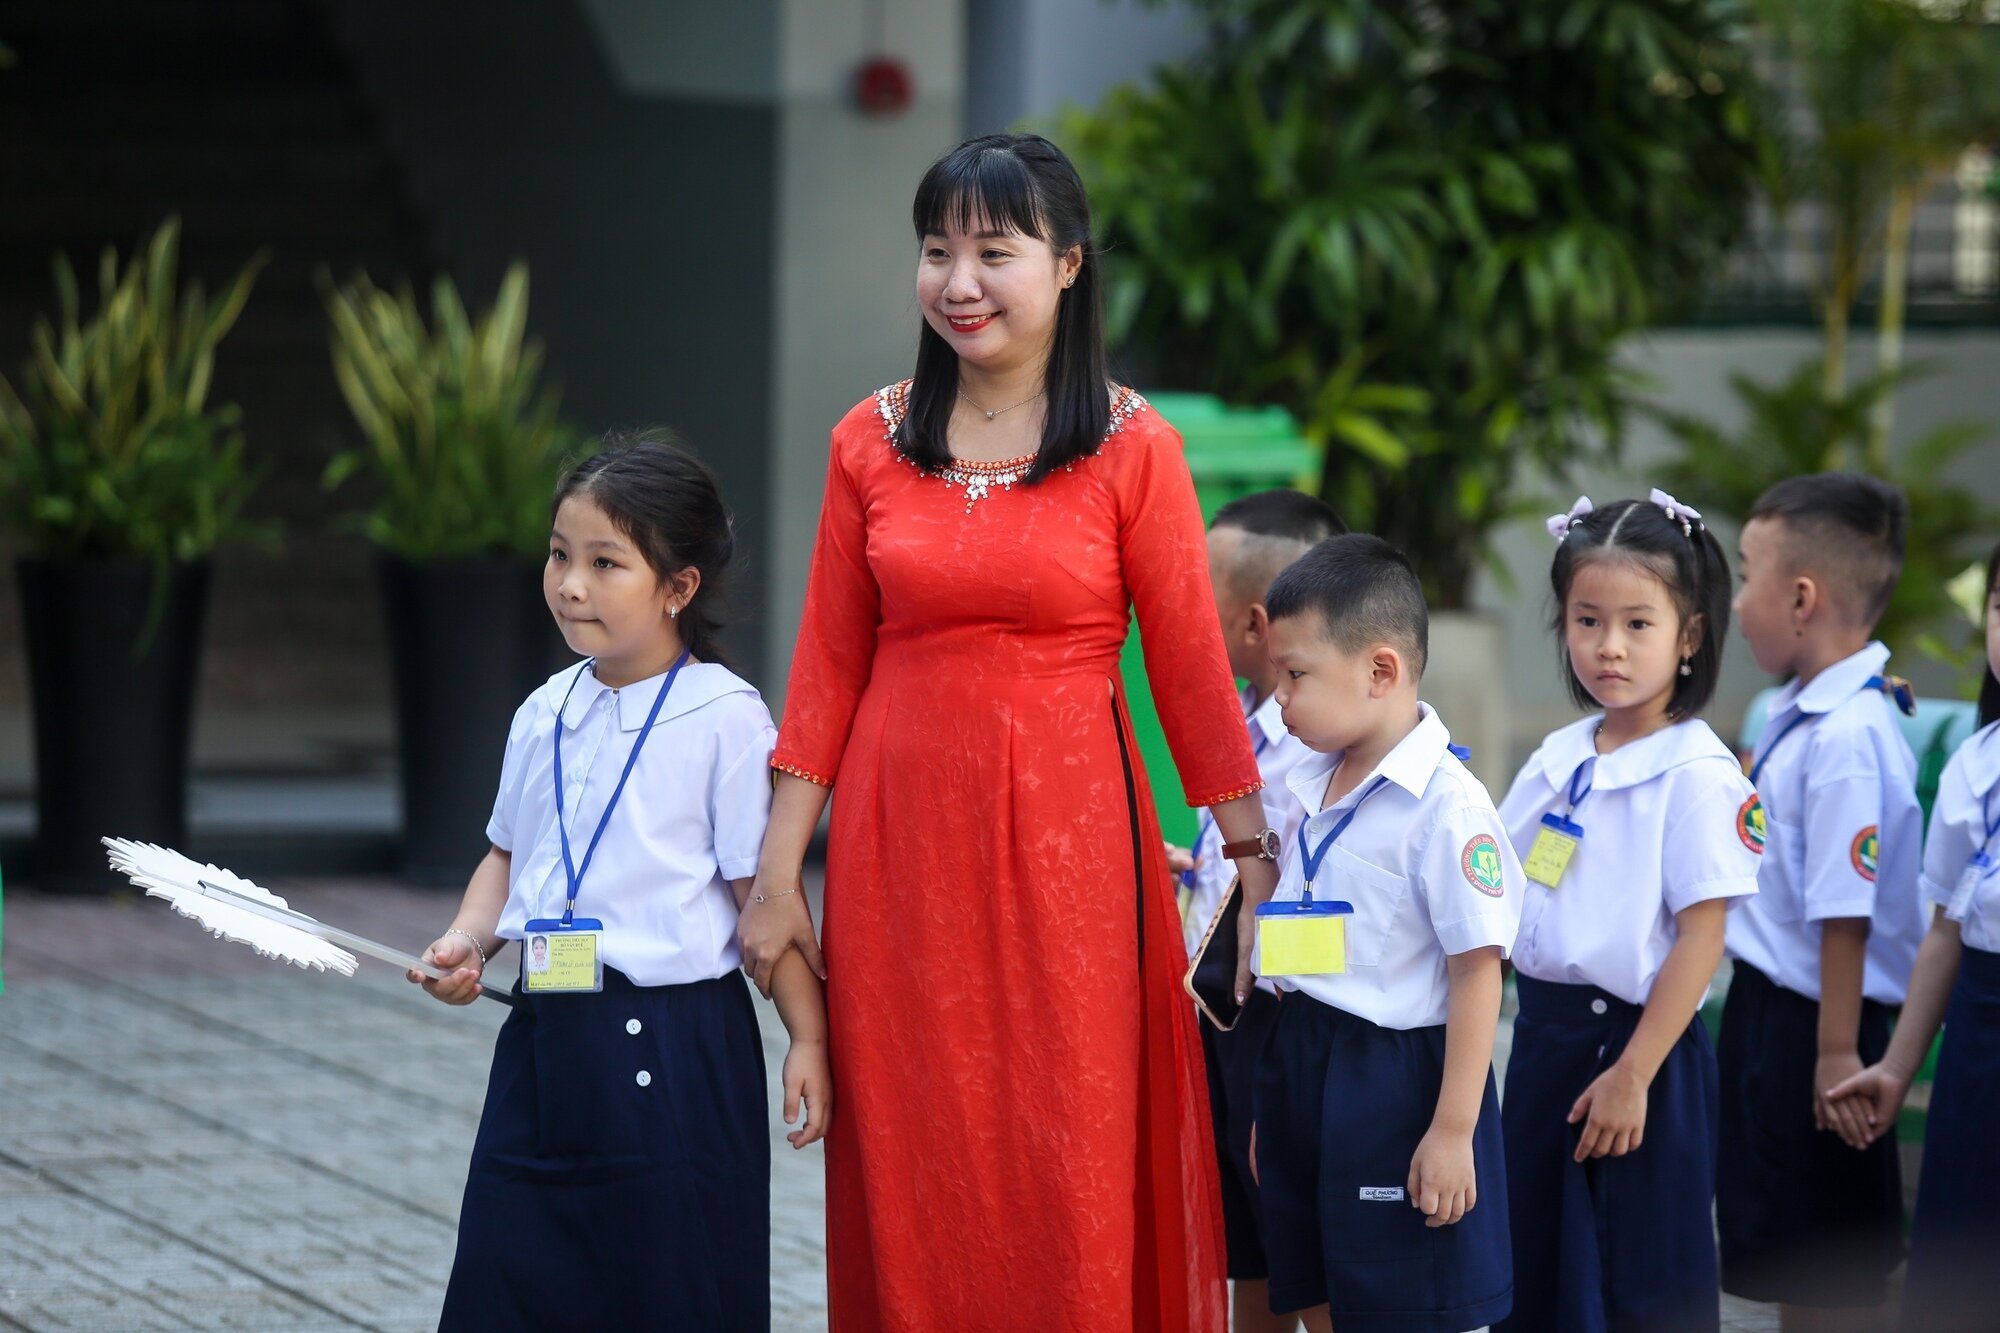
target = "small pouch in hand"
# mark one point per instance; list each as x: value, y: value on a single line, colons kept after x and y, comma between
x: 1211, y: 974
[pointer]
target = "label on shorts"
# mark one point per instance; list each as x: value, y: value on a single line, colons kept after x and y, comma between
x: 1382, y: 1194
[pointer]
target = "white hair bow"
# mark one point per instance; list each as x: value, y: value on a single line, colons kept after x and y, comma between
x: 1685, y: 515
x: 1560, y: 524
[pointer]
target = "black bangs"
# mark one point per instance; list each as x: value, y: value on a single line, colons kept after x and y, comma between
x: 979, y: 183
x: 1019, y: 183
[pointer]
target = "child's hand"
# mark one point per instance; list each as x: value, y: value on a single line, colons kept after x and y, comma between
x: 1848, y: 1118
x: 1879, y: 1091
x: 1442, y: 1182
x: 455, y: 954
x: 1615, y: 1103
x: 1180, y: 859
x: 808, y: 1078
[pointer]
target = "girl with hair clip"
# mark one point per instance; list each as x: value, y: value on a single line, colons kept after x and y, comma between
x: 1955, y: 1231
x: 1637, y: 830
x: 621, y: 1177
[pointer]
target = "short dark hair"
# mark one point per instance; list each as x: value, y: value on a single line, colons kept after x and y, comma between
x: 1024, y: 183
x: 1847, y: 526
x: 1278, y: 527
x: 1989, y: 687
x: 1285, y: 513
x: 1684, y: 555
x: 666, y: 501
x: 1365, y: 593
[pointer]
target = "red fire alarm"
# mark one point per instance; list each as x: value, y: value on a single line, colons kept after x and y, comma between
x: 883, y: 86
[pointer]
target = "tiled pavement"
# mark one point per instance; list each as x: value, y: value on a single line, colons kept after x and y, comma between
x: 194, y: 1137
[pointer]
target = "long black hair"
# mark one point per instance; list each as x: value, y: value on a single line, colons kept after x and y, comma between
x: 665, y: 501
x: 1684, y: 555
x: 1024, y: 183
x: 1989, y: 687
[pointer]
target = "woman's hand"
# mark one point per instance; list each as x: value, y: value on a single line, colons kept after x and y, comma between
x: 1260, y: 881
x: 455, y: 954
x: 808, y: 1078
x: 781, y: 922
x: 1878, y: 1091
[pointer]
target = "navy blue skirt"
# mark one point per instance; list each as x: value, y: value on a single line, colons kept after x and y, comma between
x: 1955, y: 1234
x: 1231, y: 1058
x: 621, y: 1177
x: 1624, y: 1244
x: 1341, y: 1106
x: 1804, y: 1219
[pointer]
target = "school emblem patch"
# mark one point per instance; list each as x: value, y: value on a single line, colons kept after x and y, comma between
x: 1750, y: 824
x: 1862, y: 853
x: 1481, y: 863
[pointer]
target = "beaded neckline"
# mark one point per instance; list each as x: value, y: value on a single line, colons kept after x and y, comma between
x: 978, y: 478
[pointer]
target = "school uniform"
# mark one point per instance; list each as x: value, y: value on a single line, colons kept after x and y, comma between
x: 1231, y: 1057
x: 1348, y: 1083
x: 1803, y: 1218
x: 621, y: 1173
x: 1625, y: 1242
x: 1955, y: 1231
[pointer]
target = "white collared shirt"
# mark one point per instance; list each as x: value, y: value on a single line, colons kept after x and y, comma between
x: 691, y: 818
x: 1666, y: 824
x: 1968, y: 790
x: 1427, y: 866
x: 1278, y: 752
x: 1844, y: 833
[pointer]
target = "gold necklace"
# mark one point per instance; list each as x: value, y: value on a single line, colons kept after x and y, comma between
x: 997, y: 412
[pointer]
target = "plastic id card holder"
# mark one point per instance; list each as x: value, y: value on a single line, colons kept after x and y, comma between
x: 559, y: 957
x: 1555, y: 843
x: 1303, y: 939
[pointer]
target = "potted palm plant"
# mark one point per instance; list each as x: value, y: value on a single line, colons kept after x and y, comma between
x: 118, y: 479
x: 463, y: 445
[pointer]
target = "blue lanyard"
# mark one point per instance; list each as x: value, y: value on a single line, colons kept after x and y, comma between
x: 1207, y: 824
x: 1982, y: 858
x: 575, y: 872
x: 1578, y: 787
x: 1895, y: 687
x: 1314, y: 858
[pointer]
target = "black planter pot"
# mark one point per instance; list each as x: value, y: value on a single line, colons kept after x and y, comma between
x: 113, y: 710
x: 468, y: 639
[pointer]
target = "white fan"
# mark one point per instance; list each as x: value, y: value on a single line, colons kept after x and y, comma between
x: 233, y: 908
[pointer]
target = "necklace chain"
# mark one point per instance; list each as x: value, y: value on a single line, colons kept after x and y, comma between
x: 998, y: 411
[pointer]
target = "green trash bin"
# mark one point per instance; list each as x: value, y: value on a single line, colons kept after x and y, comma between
x: 1232, y: 452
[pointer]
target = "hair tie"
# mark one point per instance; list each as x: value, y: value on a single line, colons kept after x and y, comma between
x: 1560, y: 524
x: 1685, y: 515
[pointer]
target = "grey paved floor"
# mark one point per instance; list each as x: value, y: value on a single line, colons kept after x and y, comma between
x: 194, y: 1137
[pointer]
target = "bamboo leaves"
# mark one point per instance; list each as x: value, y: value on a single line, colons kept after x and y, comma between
x: 108, y: 448
x: 462, y: 440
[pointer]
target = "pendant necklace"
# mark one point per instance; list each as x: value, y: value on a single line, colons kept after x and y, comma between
x: 996, y: 412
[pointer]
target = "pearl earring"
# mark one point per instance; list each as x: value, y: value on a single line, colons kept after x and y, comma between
x: 1686, y: 670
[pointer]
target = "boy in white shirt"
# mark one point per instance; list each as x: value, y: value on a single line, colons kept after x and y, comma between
x: 1809, y: 1211
x: 1250, y: 541
x: 1378, y: 1128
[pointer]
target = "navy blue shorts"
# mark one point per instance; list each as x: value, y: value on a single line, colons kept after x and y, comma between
x: 1955, y: 1232
x: 598, y: 1199
x: 1804, y: 1219
x: 1614, y: 1243
x: 1341, y: 1107
x: 1231, y: 1058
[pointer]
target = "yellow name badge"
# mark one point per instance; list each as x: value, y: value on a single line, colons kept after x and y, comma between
x: 1555, y: 844
x: 1302, y: 939
x: 559, y: 957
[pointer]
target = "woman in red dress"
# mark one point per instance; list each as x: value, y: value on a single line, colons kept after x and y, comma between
x: 1023, y: 1137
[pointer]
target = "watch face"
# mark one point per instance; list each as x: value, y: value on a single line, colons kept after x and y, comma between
x: 1271, y: 845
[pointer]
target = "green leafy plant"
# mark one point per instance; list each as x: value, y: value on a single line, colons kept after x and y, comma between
x: 462, y: 438
x: 1424, y: 229
x: 109, y: 448
x: 1792, y: 428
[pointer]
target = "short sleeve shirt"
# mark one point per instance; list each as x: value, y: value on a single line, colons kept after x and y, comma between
x: 1843, y: 833
x: 1668, y: 821
x: 691, y: 819
x: 1425, y: 863
x: 1965, y: 822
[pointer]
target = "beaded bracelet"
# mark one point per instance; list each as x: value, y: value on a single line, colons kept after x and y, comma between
x: 762, y: 898
x: 477, y: 947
